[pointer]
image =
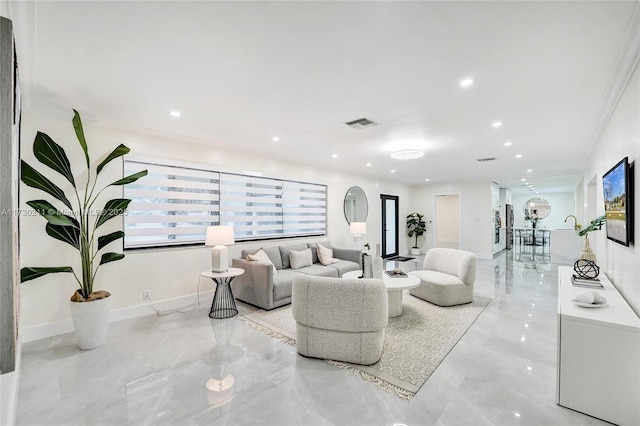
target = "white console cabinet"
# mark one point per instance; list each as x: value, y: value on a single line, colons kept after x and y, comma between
x: 598, y: 354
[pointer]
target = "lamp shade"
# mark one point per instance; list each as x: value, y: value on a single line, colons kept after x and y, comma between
x: 358, y: 228
x: 220, y: 235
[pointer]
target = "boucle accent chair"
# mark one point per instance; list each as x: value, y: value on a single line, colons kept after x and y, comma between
x: 447, y: 278
x: 340, y: 319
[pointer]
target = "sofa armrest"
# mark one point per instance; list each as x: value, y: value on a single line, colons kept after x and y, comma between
x: 353, y: 255
x: 255, y: 286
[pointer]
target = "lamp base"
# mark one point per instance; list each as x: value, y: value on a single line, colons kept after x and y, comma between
x: 219, y: 259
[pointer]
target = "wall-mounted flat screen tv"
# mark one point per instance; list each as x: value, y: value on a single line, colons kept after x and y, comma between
x: 618, y: 202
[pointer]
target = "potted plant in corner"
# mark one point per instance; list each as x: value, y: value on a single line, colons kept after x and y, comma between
x: 595, y: 225
x: 416, y: 227
x: 77, y: 225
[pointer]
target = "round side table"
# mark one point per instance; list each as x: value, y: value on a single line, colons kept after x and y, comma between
x: 223, y: 305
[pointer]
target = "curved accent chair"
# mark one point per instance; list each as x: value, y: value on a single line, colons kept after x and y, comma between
x: 340, y: 319
x: 447, y: 278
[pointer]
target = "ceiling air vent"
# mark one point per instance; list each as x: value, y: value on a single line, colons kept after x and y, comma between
x: 361, y: 123
x: 482, y: 160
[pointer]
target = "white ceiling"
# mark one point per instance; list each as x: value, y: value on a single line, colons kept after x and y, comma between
x: 243, y: 72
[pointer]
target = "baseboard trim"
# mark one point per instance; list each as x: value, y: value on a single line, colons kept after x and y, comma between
x: 43, y: 331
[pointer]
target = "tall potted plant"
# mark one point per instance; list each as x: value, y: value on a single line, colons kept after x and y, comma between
x: 78, y: 225
x: 416, y: 226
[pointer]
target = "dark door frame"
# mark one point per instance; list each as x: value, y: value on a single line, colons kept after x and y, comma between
x: 383, y: 224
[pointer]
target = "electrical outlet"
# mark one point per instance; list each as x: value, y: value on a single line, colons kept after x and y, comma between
x: 146, y: 294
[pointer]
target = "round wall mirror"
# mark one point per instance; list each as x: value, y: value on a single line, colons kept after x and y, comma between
x: 536, y: 208
x: 356, y: 206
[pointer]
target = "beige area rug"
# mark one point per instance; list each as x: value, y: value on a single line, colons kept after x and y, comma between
x: 415, y: 342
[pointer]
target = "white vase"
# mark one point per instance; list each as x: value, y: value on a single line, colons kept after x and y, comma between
x: 91, y: 322
x: 415, y: 251
x: 377, y: 263
x: 586, y: 252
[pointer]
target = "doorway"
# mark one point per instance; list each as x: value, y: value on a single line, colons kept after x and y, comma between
x: 389, y: 225
x: 447, y: 215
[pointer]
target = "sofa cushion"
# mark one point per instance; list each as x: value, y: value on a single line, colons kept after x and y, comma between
x: 319, y: 271
x: 284, y: 253
x: 314, y: 249
x: 261, y: 256
x: 300, y: 259
x: 436, y: 277
x: 272, y: 252
x: 325, y: 255
x: 282, y: 283
x: 344, y: 266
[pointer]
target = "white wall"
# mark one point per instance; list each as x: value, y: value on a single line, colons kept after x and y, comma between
x: 562, y: 204
x: 170, y: 274
x: 621, y: 138
x: 476, y: 211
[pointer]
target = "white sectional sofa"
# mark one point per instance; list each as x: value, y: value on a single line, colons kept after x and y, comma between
x: 260, y: 286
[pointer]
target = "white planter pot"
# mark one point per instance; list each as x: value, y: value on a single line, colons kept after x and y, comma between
x: 415, y: 251
x: 91, y: 322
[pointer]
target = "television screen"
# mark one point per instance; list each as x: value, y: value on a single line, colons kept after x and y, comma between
x: 616, y: 189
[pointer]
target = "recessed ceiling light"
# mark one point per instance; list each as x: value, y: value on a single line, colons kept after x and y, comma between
x: 518, y: 155
x: 508, y: 143
x: 529, y: 170
x: 393, y: 171
x: 407, y: 154
x: 466, y: 82
x: 334, y: 156
x: 427, y: 180
x: 275, y: 139
x: 368, y: 164
x: 175, y: 113
x: 523, y: 179
x: 497, y: 124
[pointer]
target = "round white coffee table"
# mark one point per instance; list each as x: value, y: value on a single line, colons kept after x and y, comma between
x: 395, y: 287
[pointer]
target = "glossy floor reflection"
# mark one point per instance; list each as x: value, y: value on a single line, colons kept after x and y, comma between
x: 189, y: 369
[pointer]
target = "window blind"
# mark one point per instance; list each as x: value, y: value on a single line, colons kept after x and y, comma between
x: 174, y: 205
x: 170, y: 206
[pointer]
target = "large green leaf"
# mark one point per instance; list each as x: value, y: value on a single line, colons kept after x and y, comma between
x: 67, y: 234
x: 118, y: 152
x: 31, y: 177
x: 112, y: 209
x: 77, y: 126
x: 52, y: 155
x: 109, y: 238
x: 110, y: 257
x: 49, y: 212
x: 131, y: 178
x: 27, y: 274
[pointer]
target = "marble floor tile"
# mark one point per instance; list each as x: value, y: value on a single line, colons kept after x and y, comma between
x: 187, y: 369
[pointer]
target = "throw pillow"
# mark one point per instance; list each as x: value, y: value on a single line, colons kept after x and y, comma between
x: 300, y: 259
x: 261, y: 257
x: 325, y: 255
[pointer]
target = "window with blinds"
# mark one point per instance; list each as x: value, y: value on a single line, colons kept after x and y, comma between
x: 174, y: 205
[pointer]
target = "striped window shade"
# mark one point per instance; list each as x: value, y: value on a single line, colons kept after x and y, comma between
x: 170, y: 206
x: 174, y: 205
x: 304, y: 209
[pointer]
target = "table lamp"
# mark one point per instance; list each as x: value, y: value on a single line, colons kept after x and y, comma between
x: 358, y: 229
x: 219, y: 237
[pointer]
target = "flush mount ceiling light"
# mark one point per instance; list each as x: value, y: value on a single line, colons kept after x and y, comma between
x: 334, y: 156
x: 175, y: 113
x: 529, y: 170
x: 497, y: 124
x: 466, y: 82
x: 275, y: 139
x: 407, y: 154
x: 508, y: 143
x: 519, y: 156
